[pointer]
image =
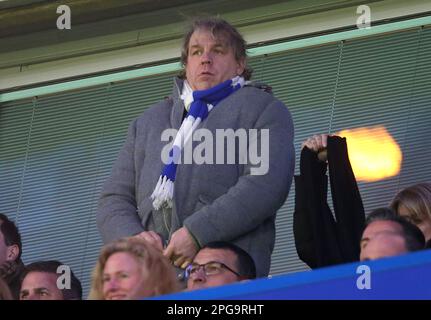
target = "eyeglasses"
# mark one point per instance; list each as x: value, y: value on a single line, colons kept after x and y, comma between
x: 210, y: 268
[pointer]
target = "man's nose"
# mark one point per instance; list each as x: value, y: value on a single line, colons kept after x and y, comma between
x: 199, y: 276
x: 206, y: 57
x: 33, y: 296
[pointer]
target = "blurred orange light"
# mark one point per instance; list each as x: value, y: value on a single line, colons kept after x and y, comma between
x: 373, y: 153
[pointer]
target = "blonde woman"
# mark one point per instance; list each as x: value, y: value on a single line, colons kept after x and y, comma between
x: 130, y: 268
x: 414, y: 204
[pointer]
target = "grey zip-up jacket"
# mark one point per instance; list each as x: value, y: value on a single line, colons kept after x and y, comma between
x: 215, y: 202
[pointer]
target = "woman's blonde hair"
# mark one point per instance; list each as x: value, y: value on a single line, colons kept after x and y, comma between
x: 416, y: 199
x: 162, y: 278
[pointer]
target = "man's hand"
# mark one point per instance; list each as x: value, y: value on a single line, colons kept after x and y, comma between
x: 181, y: 248
x: 152, y: 238
x: 316, y: 143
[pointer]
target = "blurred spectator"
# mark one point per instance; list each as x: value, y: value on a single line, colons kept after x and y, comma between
x: 131, y: 268
x: 5, y: 293
x: 41, y: 281
x: 11, y: 266
x: 414, y: 204
x: 387, y: 234
x: 219, y: 263
x: 322, y: 240
x: 384, y: 244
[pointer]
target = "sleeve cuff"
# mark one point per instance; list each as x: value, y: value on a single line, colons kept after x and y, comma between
x: 195, y: 240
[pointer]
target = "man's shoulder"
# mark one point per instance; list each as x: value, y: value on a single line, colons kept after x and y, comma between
x: 259, y: 87
x: 258, y: 95
x: 157, y: 109
x: 258, y: 90
x: 259, y: 101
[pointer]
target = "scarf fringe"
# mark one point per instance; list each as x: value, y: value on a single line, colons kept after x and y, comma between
x: 163, y: 193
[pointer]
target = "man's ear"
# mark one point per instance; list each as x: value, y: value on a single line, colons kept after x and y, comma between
x: 12, y: 253
x: 240, y: 66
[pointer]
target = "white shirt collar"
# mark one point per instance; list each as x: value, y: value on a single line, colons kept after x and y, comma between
x: 187, y: 95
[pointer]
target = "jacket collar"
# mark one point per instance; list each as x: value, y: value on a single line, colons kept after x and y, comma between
x: 177, y: 111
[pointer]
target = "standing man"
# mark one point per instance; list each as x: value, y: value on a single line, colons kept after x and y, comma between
x: 180, y: 207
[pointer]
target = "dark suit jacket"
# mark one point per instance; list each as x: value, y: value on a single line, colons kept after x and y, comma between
x: 320, y: 239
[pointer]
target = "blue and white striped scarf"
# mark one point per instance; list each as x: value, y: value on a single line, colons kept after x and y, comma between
x: 201, y: 103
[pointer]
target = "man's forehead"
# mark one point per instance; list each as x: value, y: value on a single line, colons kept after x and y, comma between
x: 36, y: 288
x: 219, y: 255
x: 382, y: 226
x: 387, y: 242
x: 42, y: 278
x: 200, y: 36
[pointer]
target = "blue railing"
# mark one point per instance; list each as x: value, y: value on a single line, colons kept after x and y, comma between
x: 403, y: 277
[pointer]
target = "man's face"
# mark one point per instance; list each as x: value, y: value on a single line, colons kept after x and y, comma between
x: 384, y: 245
x: 199, y: 280
x: 40, y: 286
x: 124, y: 278
x: 210, y: 61
x: 3, y: 249
x: 382, y: 239
x: 7, y: 253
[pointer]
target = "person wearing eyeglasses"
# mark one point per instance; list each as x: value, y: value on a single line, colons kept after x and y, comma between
x: 219, y: 263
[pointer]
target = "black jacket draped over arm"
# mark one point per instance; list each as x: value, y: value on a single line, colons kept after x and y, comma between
x: 320, y: 239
